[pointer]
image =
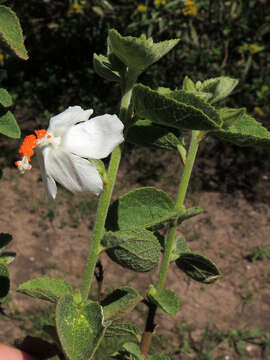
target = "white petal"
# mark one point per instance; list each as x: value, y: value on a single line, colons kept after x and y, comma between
x: 95, y: 138
x: 60, y: 123
x: 48, y: 181
x: 72, y: 172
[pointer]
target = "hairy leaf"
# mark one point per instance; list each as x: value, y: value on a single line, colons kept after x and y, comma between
x: 138, y: 250
x: 138, y: 53
x: 245, y: 131
x: 5, y: 239
x: 11, y: 32
x: 178, y: 109
x: 120, y: 302
x: 80, y: 327
x: 145, y: 133
x: 140, y: 208
x: 9, y: 126
x: 167, y: 300
x: 5, y: 98
x: 46, y: 288
x: 198, y: 267
x: 4, y: 281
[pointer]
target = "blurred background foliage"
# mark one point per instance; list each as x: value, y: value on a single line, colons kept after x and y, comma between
x: 217, y: 37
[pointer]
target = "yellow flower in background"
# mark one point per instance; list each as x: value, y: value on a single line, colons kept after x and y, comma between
x: 190, y: 8
x: 142, y: 8
x: 76, y: 8
x: 254, y: 48
x: 157, y: 3
x: 189, y: 3
x: 257, y: 110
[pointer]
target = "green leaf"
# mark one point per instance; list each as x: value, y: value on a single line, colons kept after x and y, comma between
x: 80, y: 327
x: 120, y: 302
x: 167, y: 300
x: 198, y: 267
x: 138, y: 250
x: 134, y: 350
x: 159, y: 357
x: 11, y: 32
x: 119, y: 329
x: 245, y: 131
x: 7, y: 257
x: 5, y: 239
x: 180, y: 247
x: 219, y: 87
x: 4, y: 281
x: 138, y: 53
x: 145, y: 133
x: 5, y: 98
x: 140, y: 208
x: 178, y: 109
x: 46, y: 288
x: 9, y: 126
x: 104, y: 68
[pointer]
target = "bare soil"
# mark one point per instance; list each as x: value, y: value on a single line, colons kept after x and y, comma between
x: 52, y: 240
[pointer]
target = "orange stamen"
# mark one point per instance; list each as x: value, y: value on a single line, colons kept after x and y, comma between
x: 29, y: 143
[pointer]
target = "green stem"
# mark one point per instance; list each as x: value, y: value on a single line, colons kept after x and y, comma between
x: 182, y: 190
x: 105, y: 198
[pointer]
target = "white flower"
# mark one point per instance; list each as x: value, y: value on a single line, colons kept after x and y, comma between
x: 64, y: 148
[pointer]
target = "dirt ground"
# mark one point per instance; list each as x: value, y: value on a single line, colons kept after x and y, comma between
x: 53, y: 240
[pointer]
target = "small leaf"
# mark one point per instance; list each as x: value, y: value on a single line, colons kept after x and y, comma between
x: 219, y: 87
x: 198, y: 267
x: 80, y: 328
x: 178, y: 109
x: 159, y: 357
x: 9, y: 126
x: 120, y: 329
x: 189, y: 213
x: 188, y: 85
x: 120, y: 302
x: 138, y: 250
x: 11, y: 32
x: 140, y: 208
x: 104, y: 68
x: 138, y: 53
x: 46, y: 288
x: 4, y: 281
x: 5, y: 98
x: 181, y: 247
x: 5, y: 239
x: 7, y: 258
x: 229, y: 116
x: 134, y: 350
x: 245, y: 131
x: 145, y: 133
x: 167, y: 300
